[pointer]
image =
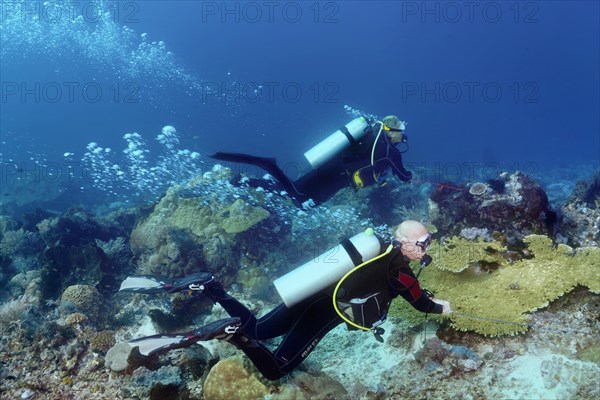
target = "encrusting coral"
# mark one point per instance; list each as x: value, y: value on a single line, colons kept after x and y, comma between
x: 511, y: 291
x: 184, y: 234
x: 229, y: 379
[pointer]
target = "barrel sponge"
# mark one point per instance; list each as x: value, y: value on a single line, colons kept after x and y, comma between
x: 85, y: 298
x: 229, y: 379
x: 511, y: 291
x: 457, y: 253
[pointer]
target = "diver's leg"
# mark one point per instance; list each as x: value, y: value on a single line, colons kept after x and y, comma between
x: 276, y: 322
x: 323, y: 183
x: 317, y: 318
x: 307, y: 331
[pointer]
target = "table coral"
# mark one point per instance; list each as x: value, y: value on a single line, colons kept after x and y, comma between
x: 513, y: 290
x: 457, y: 254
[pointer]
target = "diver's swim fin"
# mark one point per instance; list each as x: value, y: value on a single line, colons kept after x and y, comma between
x: 149, y: 284
x: 267, y: 163
x: 222, y: 329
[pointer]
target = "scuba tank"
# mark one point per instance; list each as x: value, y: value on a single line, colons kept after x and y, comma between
x: 328, y: 268
x: 338, y: 141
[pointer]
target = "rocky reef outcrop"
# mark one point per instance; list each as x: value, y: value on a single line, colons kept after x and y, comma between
x: 511, y: 206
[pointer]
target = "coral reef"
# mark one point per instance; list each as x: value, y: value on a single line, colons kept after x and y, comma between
x: 587, y: 192
x: 478, y: 189
x: 239, y: 216
x: 20, y: 242
x: 521, y: 208
x: 501, y: 276
x: 182, y: 236
x: 73, y: 254
x: 163, y: 383
x: 65, y: 265
x: 7, y: 224
x: 581, y: 214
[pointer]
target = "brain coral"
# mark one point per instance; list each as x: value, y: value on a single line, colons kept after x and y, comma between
x: 86, y: 298
x: 228, y: 379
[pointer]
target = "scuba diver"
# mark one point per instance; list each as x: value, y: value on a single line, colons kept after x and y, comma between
x: 361, y: 153
x: 357, y: 290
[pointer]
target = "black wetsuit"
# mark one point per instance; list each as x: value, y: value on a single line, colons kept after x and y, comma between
x: 322, y: 183
x: 306, y: 323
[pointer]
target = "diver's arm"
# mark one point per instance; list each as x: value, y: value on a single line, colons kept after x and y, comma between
x: 407, y: 286
x: 395, y: 158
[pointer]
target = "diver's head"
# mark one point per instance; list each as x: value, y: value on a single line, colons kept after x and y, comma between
x: 394, y: 128
x: 414, y: 239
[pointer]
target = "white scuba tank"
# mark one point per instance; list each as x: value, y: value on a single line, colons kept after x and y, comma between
x: 336, y: 142
x: 326, y: 269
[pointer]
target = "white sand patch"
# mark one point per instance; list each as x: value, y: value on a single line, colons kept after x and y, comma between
x: 356, y: 357
x: 526, y: 377
x: 543, y: 375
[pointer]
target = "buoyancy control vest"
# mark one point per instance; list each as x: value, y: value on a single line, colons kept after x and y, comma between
x: 362, y: 297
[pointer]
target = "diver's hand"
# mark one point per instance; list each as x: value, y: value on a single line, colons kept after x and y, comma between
x: 445, y: 305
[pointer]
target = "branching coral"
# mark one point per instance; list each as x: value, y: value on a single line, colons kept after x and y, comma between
x: 19, y: 242
x: 112, y: 248
x: 13, y: 312
x: 511, y: 291
x: 410, y: 213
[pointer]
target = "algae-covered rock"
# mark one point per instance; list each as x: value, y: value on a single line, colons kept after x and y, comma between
x: 511, y: 291
x: 240, y: 217
x: 184, y: 235
x: 512, y: 204
x: 116, y: 357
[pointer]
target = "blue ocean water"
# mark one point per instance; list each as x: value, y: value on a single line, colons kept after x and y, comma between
x: 484, y: 86
x: 105, y: 105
